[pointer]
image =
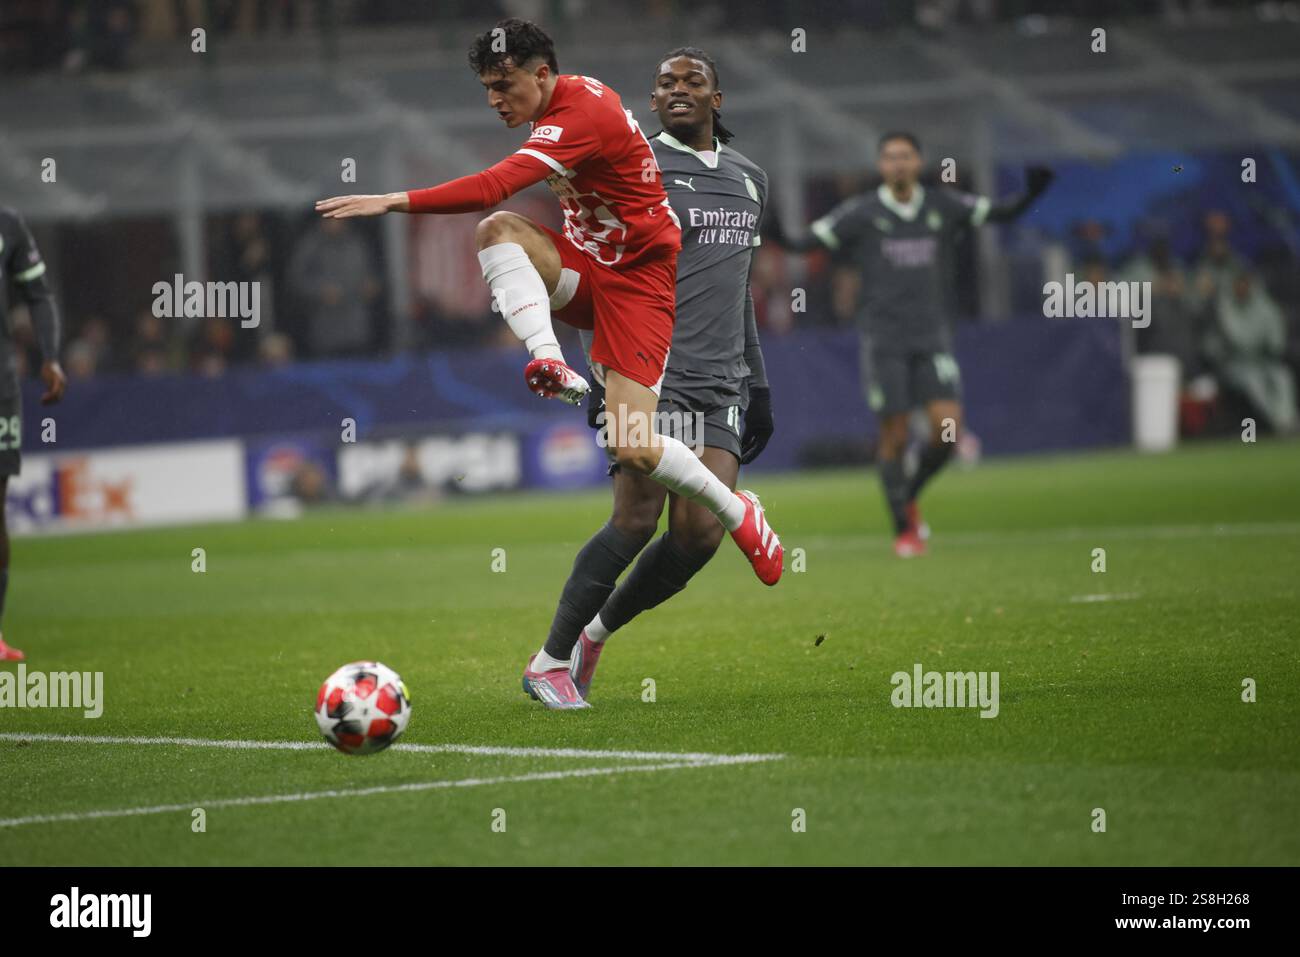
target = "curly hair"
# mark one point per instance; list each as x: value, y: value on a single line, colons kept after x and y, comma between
x: 511, y: 42
x: 723, y: 134
x: 903, y: 135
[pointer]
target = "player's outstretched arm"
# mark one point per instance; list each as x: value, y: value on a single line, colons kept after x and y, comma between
x: 773, y: 232
x: 344, y: 207
x: 1037, y: 179
x: 30, y: 281
x: 468, y: 194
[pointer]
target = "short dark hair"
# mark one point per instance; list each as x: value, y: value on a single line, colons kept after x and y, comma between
x: 899, y: 135
x: 523, y: 41
x: 723, y: 134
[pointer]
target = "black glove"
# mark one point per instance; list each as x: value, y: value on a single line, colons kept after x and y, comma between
x: 758, y: 424
x: 595, y: 404
x: 1038, y: 178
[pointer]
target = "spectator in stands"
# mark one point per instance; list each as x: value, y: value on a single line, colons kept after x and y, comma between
x: 246, y: 256
x: 1246, y: 342
x: 149, y: 351
x: 79, y: 360
x: 275, y: 350
x: 1173, y: 330
x: 1279, y: 272
x: 1218, y: 264
x: 90, y: 351
x: 333, y: 279
x: 97, y: 335
x: 213, y: 344
x: 1094, y: 269
x: 100, y: 34
x: 1089, y: 243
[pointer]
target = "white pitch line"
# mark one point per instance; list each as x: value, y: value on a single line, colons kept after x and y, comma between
x: 75, y: 816
x: 1076, y: 534
x: 697, y: 757
x: 1089, y: 599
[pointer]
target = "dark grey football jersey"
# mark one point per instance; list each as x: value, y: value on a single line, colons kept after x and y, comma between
x: 20, y: 265
x: 903, y: 251
x: 719, y: 205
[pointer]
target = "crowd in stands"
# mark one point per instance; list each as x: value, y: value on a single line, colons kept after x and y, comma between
x: 1233, y: 323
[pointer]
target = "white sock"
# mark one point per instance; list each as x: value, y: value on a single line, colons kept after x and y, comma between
x: 544, y: 662
x: 596, y: 630
x: 520, y: 294
x: 680, y: 471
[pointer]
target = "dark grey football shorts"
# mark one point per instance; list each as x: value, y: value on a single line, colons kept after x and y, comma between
x: 697, y: 410
x: 898, y: 382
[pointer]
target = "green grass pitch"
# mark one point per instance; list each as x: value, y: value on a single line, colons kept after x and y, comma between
x: 1119, y: 690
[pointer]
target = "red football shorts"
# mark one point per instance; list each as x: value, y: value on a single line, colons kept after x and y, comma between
x: 630, y: 311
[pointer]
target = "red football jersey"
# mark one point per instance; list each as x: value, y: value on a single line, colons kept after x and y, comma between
x: 604, y: 174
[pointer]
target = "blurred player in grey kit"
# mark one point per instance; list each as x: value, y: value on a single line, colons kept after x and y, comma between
x: 901, y: 236
x: 22, y: 279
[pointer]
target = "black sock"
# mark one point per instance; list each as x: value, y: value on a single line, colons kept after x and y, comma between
x: 662, y: 571
x: 895, y: 483
x: 595, y: 571
x: 933, y: 458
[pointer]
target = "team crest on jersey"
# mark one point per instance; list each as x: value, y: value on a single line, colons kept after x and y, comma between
x: 934, y: 220
x: 883, y: 224
x: 750, y: 187
x: 546, y: 134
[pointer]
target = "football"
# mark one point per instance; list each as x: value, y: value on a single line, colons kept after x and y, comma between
x: 363, y: 707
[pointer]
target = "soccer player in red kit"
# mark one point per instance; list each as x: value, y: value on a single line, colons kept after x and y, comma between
x: 613, y: 271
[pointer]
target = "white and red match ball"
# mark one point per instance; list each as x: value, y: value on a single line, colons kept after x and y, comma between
x: 363, y: 707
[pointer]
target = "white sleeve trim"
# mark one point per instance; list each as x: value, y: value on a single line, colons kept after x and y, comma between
x: 27, y: 275
x: 535, y: 154
x: 821, y: 228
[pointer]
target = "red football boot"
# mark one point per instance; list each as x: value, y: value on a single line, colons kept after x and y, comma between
x: 552, y: 688
x: 552, y: 379
x: 908, y: 544
x: 585, y: 655
x: 759, y: 542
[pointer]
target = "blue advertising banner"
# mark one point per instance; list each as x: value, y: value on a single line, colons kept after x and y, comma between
x: 1029, y: 385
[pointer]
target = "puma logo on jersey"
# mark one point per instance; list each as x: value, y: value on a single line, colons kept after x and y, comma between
x: 686, y: 183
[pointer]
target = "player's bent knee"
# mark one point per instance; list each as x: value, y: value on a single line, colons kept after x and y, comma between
x: 947, y: 433
x: 946, y: 423
x: 893, y: 438
x: 500, y: 227
x: 638, y: 522
x: 636, y: 458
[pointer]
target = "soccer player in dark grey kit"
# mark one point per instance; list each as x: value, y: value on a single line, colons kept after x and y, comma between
x: 901, y: 235
x: 22, y: 277
x: 715, y: 372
